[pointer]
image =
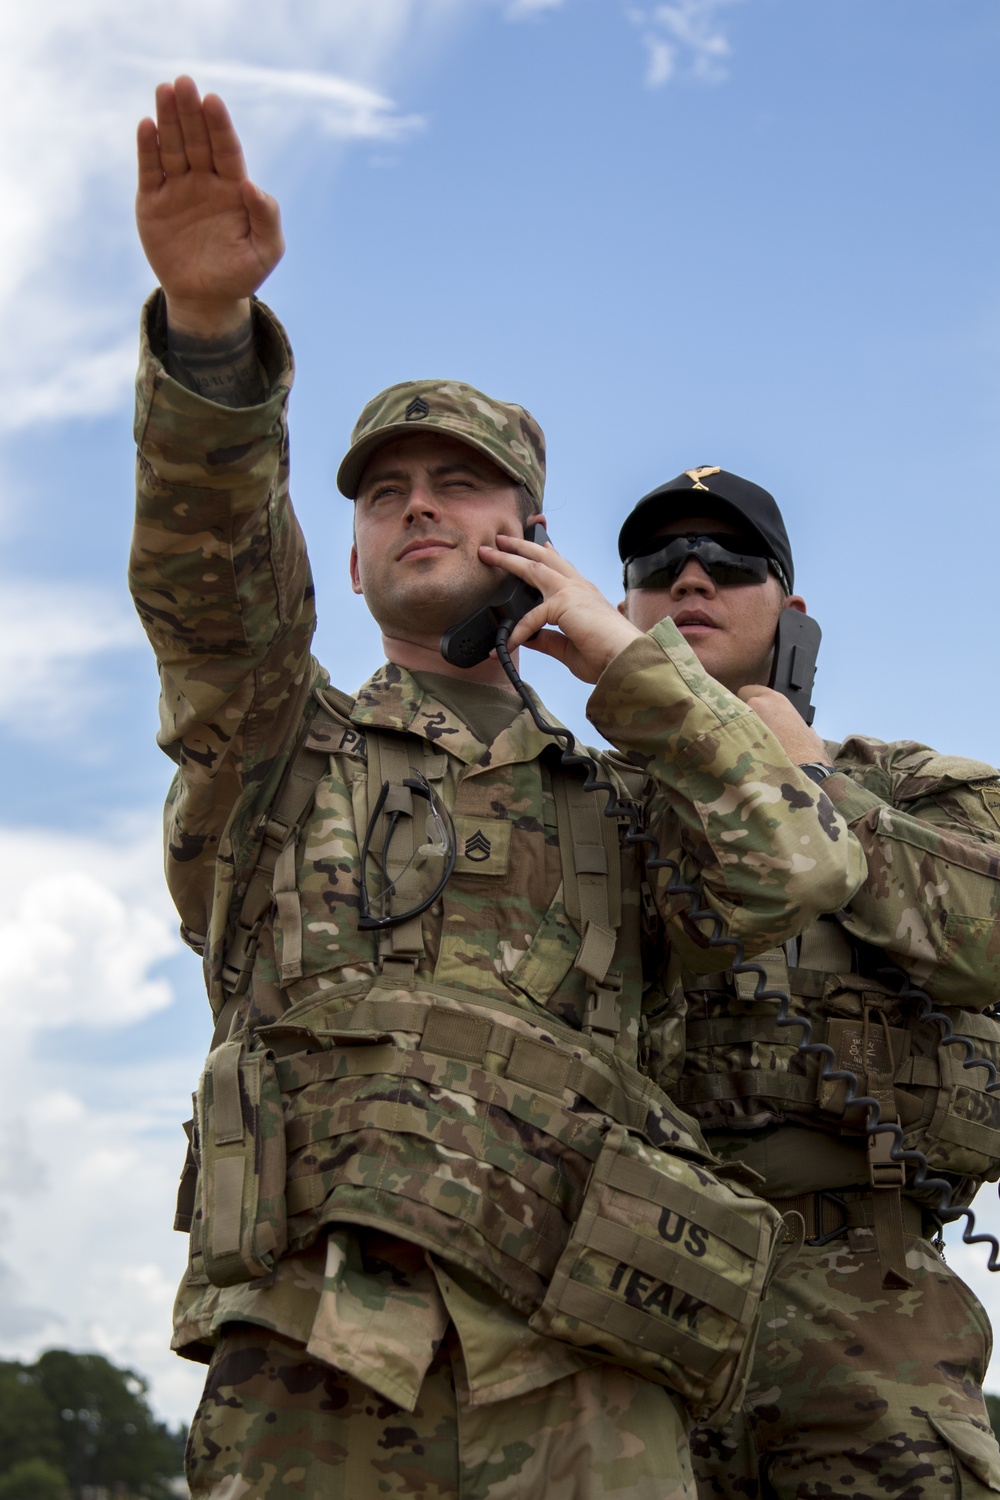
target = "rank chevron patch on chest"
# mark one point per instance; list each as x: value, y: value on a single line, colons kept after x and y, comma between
x: 478, y: 847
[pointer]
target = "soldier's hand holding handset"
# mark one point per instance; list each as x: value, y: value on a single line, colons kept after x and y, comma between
x: 588, y: 631
x: 210, y: 235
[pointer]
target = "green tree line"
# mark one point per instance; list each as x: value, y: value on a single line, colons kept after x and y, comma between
x: 70, y: 1423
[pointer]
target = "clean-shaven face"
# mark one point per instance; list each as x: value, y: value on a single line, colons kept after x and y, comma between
x: 730, y: 628
x: 425, y: 505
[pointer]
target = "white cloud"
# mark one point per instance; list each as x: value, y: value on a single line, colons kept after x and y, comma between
x: 48, y: 638
x: 90, y: 1261
x: 79, y: 950
x: 345, y: 110
x: 683, y: 36
x: 79, y: 387
x: 91, y: 1146
x: 74, y: 80
x: 83, y: 923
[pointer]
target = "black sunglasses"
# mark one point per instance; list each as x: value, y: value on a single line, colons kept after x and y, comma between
x: 659, y: 570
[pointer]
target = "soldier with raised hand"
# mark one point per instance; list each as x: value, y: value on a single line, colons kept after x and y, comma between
x: 868, y: 1374
x: 422, y: 938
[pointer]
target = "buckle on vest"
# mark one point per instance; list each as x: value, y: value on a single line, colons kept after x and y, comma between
x: 602, y: 1018
x: 239, y: 959
x: 275, y: 834
x: 882, y: 1169
x: 823, y: 1235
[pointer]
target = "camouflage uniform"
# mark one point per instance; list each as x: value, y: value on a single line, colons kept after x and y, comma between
x: 865, y: 1383
x: 446, y: 1389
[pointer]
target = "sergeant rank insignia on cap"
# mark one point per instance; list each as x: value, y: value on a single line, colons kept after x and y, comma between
x: 417, y: 408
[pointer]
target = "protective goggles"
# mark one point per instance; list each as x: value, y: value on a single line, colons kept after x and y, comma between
x: 659, y: 570
x: 412, y: 889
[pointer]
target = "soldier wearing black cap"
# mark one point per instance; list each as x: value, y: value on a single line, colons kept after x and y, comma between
x: 868, y: 1372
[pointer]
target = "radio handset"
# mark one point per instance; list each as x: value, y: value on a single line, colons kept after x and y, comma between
x: 467, y: 644
x: 793, y: 665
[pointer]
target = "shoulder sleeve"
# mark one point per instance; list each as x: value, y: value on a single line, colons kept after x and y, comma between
x: 768, y: 848
x: 221, y: 581
x: 930, y: 828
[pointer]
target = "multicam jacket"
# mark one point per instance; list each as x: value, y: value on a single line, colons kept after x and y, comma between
x: 221, y: 580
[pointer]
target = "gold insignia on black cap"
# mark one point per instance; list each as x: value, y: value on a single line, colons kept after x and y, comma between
x: 697, y: 475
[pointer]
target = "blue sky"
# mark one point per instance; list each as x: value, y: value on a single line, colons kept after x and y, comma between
x: 758, y: 233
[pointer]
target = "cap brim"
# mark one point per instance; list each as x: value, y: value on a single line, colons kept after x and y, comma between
x: 357, y: 457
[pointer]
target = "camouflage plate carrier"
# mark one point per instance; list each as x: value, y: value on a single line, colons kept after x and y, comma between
x: 514, y: 1145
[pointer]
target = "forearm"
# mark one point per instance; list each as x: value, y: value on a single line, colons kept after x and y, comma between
x: 224, y: 368
x: 218, y: 568
x: 766, y: 846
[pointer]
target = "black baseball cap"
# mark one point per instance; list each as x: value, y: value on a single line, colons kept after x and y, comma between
x: 715, y: 492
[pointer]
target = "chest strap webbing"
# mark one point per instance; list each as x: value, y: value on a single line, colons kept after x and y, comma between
x: 292, y: 800
x: 269, y: 880
x: 390, y: 758
x: 592, y: 894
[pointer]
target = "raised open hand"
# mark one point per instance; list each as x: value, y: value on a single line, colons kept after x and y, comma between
x: 210, y: 235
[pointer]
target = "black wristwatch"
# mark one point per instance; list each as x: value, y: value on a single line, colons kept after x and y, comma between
x: 817, y: 771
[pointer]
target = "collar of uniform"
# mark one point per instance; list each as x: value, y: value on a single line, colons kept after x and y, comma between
x: 523, y: 740
x: 393, y: 699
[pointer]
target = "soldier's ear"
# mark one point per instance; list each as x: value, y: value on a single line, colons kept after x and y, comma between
x: 355, y: 574
x: 795, y: 601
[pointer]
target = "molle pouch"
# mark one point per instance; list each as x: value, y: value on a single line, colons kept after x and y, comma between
x: 665, y: 1272
x: 241, y: 1132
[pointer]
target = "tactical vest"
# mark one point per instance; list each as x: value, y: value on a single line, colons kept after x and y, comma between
x: 744, y: 1071
x: 533, y: 1154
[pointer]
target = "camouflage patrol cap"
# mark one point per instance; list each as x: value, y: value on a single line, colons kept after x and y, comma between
x: 504, y: 433
x: 713, y: 492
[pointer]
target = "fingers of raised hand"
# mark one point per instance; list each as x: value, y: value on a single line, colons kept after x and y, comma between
x: 193, y: 126
x: 168, y: 127
x: 196, y: 134
x: 227, y: 153
x: 148, y: 148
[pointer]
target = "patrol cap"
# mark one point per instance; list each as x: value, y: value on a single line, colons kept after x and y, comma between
x: 709, y: 491
x: 504, y: 433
